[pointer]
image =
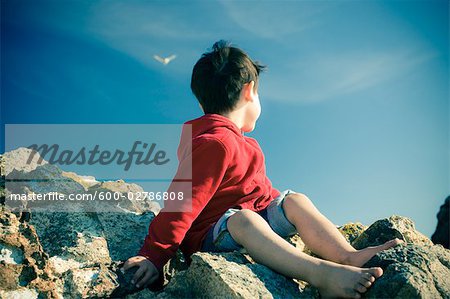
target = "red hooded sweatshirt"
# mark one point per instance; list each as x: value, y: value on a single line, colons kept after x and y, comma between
x: 228, y: 171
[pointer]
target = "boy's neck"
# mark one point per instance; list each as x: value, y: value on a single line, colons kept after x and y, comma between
x: 236, y: 117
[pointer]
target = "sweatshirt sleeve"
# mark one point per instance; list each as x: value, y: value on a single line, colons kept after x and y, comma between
x: 275, y: 192
x: 167, y: 230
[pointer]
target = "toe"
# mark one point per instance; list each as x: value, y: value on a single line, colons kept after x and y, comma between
x: 360, y: 288
x: 366, y: 283
x: 392, y: 243
x: 352, y: 294
x: 376, y: 272
x: 397, y: 241
x: 367, y: 277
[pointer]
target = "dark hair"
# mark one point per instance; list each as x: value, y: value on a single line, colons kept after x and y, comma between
x: 218, y: 77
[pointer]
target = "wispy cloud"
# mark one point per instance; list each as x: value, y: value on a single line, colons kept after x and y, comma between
x: 141, y: 20
x: 296, y: 29
x: 263, y: 19
x: 331, y: 76
x: 142, y: 29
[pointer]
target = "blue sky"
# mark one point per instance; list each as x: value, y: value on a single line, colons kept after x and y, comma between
x: 355, y: 101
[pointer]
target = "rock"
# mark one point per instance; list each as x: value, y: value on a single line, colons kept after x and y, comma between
x: 84, y: 180
x: 34, y: 174
x: 442, y: 234
x: 296, y: 241
x: 90, y: 282
x: 83, y: 239
x: 124, y: 232
x: 10, y: 254
x: 412, y: 271
x: 23, y: 263
x: 60, y: 231
x: 121, y: 228
x: 18, y: 293
x: 78, y: 270
x: 390, y: 228
x: 89, y: 248
x: 127, y: 199
x: 144, y: 294
x: 230, y: 275
x: 79, y: 244
x: 59, y: 265
x: 351, y: 230
x: 22, y: 160
x: 43, y: 178
x: 117, y: 235
x: 415, y: 269
x: 2, y: 180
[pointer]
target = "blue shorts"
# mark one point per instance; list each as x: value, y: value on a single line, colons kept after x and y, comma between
x: 218, y: 238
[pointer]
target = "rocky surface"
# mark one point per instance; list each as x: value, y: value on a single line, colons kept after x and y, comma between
x: 351, y: 231
x: 40, y: 177
x: 22, y: 160
x: 412, y: 271
x: 387, y: 229
x: 417, y: 269
x: 79, y: 254
x: 25, y: 268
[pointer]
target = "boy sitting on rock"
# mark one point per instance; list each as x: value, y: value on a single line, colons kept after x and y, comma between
x: 234, y: 205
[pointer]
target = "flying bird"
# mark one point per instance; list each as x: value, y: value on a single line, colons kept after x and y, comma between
x: 165, y: 60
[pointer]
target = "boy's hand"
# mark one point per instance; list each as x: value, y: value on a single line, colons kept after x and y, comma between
x: 146, y: 273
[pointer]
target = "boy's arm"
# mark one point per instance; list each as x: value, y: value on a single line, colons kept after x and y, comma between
x: 167, y: 230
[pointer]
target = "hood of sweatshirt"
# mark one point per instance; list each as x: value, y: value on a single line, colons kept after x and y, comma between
x: 208, y: 123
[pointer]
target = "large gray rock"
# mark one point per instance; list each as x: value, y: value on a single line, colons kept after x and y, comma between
x: 81, y: 268
x: 40, y: 177
x: 390, y: 228
x: 412, y: 271
x: 118, y: 234
x: 415, y: 269
x: 25, y: 172
x: 230, y: 275
x: 79, y: 244
x: 22, y: 159
x: 83, y: 249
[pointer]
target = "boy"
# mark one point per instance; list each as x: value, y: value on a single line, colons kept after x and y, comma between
x: 233, y: 202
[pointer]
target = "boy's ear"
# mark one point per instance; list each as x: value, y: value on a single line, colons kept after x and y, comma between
x: 248, y: 90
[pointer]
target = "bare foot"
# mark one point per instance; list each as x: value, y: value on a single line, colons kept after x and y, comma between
x: 360, y: 257
x: 345, y: 281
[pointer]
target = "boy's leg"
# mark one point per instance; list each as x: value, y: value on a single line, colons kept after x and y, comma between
x: 266, y: 247
x: 322, y: 237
